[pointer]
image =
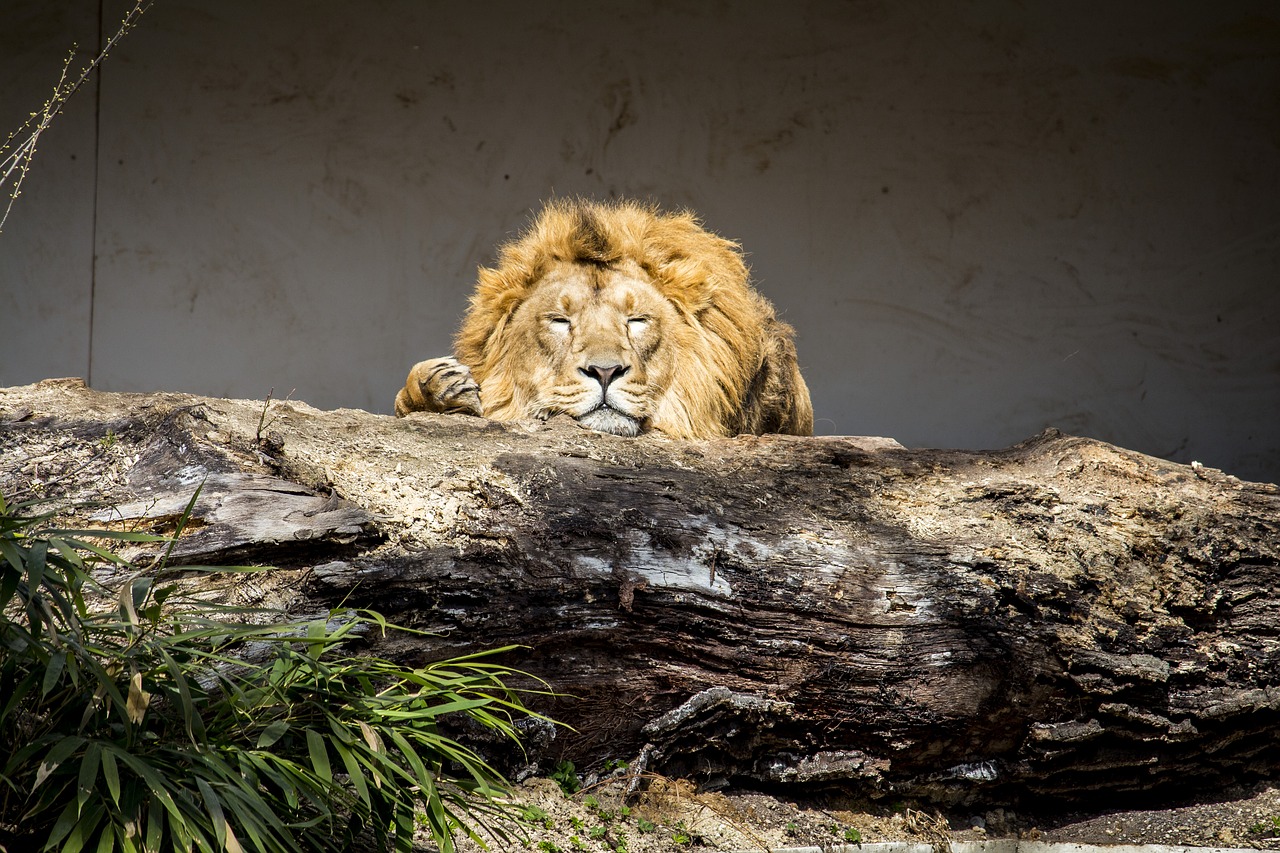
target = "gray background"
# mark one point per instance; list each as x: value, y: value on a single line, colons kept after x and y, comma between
x: 982, y: 218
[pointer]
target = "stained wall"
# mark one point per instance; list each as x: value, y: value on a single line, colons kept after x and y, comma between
x: 983, y: 218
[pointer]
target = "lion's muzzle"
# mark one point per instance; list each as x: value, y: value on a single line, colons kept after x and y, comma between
x: 605, y: 418
x: 608, y: 414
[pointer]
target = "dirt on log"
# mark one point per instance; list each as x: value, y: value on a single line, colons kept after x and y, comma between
x: 1061, y: 619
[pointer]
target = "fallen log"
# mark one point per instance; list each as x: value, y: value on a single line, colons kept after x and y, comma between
x: 1061, y: 619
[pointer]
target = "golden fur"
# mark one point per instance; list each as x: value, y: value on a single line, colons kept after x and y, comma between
x: 628, y: 320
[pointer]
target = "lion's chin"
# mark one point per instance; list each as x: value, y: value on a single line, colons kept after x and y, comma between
x: 607, y: 419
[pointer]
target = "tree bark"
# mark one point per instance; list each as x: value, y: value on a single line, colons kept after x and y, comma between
x: 1061, y: 619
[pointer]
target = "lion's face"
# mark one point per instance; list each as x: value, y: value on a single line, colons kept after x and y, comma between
x: 595, y: 347
x: 629, y: 320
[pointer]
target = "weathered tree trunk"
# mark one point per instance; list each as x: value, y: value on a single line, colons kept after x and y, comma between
x: 1061, y: 618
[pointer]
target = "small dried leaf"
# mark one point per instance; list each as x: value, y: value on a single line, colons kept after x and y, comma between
x: 139, y: 699
x: 370, y: 736
x: 44, y: 772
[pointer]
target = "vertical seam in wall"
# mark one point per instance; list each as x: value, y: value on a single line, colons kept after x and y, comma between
x: 97, y: 168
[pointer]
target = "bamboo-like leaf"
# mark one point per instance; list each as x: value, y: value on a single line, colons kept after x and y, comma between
x: 63, y: 825
x: 421, y: 776
x: 387, y: 775
x: 111, y: 773
x: 284, y: 781
x: 155, y: 824
x: 316, y: 635
x: 259, y: 827
x: 53, y: 671
x: 16, y: 703
x: 163, y: 788
x: 68, y: 553
x: 340, y: 731
x: 99, y: 552
x: 113, y: 535
x: 438, y: 820
x: 9, y: 580
x: 107, y: 840
x: 88, y: 772
x: 355, y: 773
x: 451, y: 707
x: 182, y: 838
x: 36, y: 564
x: 60, y: 752
x: 404, y: 829
x: 157, y: 784
x: 84, y: 829
x: 190, y: 714
x: 214, y: 807
x: 14, y: 555
x: 128, y: 608
x: 187, y: 512
x: 272, y: 733
x: 319, y: 756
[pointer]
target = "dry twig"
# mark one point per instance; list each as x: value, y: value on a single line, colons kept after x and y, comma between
x: 19, y: 149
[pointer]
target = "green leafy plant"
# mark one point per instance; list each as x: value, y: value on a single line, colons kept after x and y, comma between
x: 108, y: 440
x: 566, y: 776
x: 593, y: 805
x: 1268, y: 826
x: 848, y: 833
x: 536, y: 815
x: 533, y: 814
x: 645, y: 826
x: 681, y: 836
x: 165, y: 722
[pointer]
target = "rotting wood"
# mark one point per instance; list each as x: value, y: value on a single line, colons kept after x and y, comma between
x: 1061, y: 619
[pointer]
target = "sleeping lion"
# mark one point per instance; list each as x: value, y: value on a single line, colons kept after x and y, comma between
x: 626, y: 319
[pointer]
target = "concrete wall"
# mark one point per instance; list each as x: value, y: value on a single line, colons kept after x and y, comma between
x: 983, y: 218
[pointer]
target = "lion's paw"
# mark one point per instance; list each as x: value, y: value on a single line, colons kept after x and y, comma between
x: 441, y: 385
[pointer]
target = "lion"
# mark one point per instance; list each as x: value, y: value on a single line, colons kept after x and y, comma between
x: 628, y: 320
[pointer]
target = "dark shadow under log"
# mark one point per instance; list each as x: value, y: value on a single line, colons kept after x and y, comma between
x: 1061, y: 619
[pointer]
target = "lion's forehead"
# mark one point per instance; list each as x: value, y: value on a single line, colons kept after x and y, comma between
x: 577, y: 289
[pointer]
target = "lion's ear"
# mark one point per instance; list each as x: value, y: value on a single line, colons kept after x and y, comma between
x: 495, y: 299
x: 499, y: 293
x: 494, y: 284
x: 685, y: 282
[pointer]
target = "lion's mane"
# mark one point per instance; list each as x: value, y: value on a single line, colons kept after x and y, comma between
x: 736, y: 369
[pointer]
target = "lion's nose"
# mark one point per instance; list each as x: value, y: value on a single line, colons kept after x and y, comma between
x: 604, y: 373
